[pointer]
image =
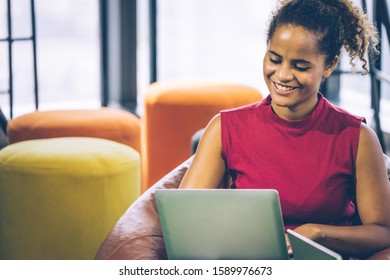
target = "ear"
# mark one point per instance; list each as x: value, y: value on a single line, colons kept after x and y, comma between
x: 330, y: 67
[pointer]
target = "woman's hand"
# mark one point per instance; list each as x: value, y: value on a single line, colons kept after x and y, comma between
x: 289, y: 248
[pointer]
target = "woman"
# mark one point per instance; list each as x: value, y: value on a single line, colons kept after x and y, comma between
x: 326, y: 163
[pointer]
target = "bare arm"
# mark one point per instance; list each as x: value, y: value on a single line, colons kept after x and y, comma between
x: 208, y: 167
x: 373, y: 201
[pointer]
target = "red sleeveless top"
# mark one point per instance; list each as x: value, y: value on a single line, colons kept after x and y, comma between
x: 310, y: 162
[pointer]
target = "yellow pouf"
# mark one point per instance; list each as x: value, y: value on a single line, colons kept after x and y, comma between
x: 60, y: 197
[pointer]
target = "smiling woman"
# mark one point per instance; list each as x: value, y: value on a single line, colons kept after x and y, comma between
x: 325, y: 162
x: 293, y: 70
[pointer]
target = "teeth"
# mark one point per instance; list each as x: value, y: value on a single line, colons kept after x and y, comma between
x: 284, y: 88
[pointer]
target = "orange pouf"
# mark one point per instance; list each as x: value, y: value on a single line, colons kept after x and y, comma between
x: 107, y: 123
x: 174, y: 111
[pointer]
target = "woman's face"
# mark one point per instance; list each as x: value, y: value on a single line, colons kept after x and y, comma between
x: 293, y: 70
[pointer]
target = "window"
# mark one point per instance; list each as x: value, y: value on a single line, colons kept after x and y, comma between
x: 220, y: 40
x: 68, y: 55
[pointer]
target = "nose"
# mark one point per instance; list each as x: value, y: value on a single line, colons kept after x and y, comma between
x: 284, y: 73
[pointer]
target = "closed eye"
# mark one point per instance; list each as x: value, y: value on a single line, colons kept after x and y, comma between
x: 275, y: 61
x: 301, y: 68
x: 301, y: 65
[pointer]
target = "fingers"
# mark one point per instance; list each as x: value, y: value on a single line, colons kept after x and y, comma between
x: 289, y: 249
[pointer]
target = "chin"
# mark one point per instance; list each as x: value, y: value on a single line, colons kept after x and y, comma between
x: 282, y: 100
x: 282, y: 97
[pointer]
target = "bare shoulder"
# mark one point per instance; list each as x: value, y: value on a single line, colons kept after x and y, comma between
x: 208, y: 167
x: 368, y: 142
x: 212, y: 132
x: 366, y: 132
x: 370, y: 165
x: 215, y: 122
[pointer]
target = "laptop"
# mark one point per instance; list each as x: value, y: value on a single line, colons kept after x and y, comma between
x: 307, y: 249
x: 221, y: 224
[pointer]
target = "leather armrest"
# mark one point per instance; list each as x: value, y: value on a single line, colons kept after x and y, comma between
x: 137, y: 234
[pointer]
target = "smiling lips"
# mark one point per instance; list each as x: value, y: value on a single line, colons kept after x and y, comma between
x: 283, y: 89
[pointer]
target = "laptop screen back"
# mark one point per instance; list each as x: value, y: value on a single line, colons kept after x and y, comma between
x: 221, y: 224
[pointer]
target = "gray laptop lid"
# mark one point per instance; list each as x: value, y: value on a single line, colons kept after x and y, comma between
x: 306, y: 249
x: 221, y: 224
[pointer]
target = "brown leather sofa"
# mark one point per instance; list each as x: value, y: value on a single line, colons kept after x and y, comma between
x: 137, y: 235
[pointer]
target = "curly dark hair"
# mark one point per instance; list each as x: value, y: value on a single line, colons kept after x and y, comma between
x: 337, y: 22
